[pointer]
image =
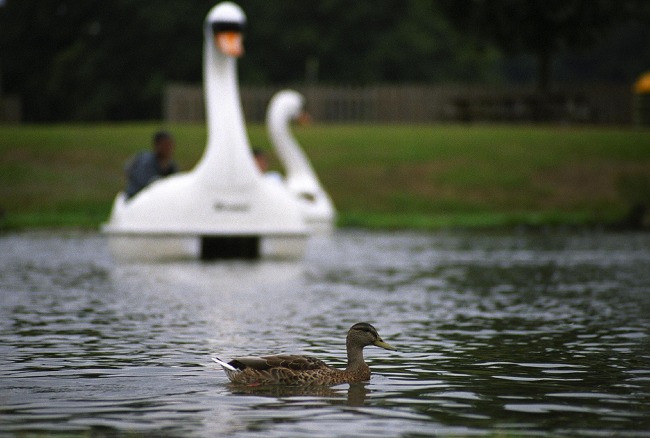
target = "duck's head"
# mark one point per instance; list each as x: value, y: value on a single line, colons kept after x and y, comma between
x: 226, y: 23
x: 363, y: 334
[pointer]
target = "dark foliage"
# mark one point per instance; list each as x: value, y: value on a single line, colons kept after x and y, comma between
x: 98, y: 60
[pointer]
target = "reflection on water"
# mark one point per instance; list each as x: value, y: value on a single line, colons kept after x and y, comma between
x: 521, y: 333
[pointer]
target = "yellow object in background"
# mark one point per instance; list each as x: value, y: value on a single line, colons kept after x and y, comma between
x: 642, y: 85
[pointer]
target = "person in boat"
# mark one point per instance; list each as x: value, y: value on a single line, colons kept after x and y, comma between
x: 262, y: 162
x: 148, y: 166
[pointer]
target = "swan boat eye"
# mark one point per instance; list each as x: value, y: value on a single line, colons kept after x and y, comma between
x: 227, y: 26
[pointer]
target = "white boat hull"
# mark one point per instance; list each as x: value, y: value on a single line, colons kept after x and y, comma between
x: 142, y: 229
x: 130, y: 247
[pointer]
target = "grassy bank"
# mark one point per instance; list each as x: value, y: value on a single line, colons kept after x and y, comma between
x: 424, y: 176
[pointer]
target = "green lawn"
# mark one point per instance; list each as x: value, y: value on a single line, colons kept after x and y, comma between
x: 414, y: 176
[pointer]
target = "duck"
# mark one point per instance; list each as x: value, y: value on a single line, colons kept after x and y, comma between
x: 306, y: 370
x: 301, y: 180
x: 223, y: 207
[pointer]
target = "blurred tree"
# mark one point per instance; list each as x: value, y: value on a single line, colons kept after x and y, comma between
x: 356, y: 42
x: 93, y: 60
x: 98, y: 60
x: 542, y: 27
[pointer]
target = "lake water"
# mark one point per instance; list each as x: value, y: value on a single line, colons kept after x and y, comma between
x: 508, y: 334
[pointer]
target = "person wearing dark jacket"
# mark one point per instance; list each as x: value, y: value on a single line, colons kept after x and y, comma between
x: 148, y: 166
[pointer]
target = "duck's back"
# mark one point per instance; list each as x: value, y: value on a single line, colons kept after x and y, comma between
x: 285, y: 370
x: 265, y: 363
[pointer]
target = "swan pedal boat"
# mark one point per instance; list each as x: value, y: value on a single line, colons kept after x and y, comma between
x: 224, y: 207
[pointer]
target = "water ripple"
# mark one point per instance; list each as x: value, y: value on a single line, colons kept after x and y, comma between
x: 524, y: 333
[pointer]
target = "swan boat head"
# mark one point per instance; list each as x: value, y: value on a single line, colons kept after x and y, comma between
x: 301, y: 179
x: 224, y: 196
x: 227, y: 160
x: 227, y: 22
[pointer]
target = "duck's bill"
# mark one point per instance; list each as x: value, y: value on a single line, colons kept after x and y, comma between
x: 384, y: 345
x: 230, y: 43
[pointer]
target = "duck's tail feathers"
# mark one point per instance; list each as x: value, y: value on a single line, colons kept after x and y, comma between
x: 224, y: 365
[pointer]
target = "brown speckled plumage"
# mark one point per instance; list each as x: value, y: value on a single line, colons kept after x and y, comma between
x: 306, y: 370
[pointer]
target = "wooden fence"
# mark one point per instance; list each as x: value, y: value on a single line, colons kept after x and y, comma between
x: 604, y: 104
